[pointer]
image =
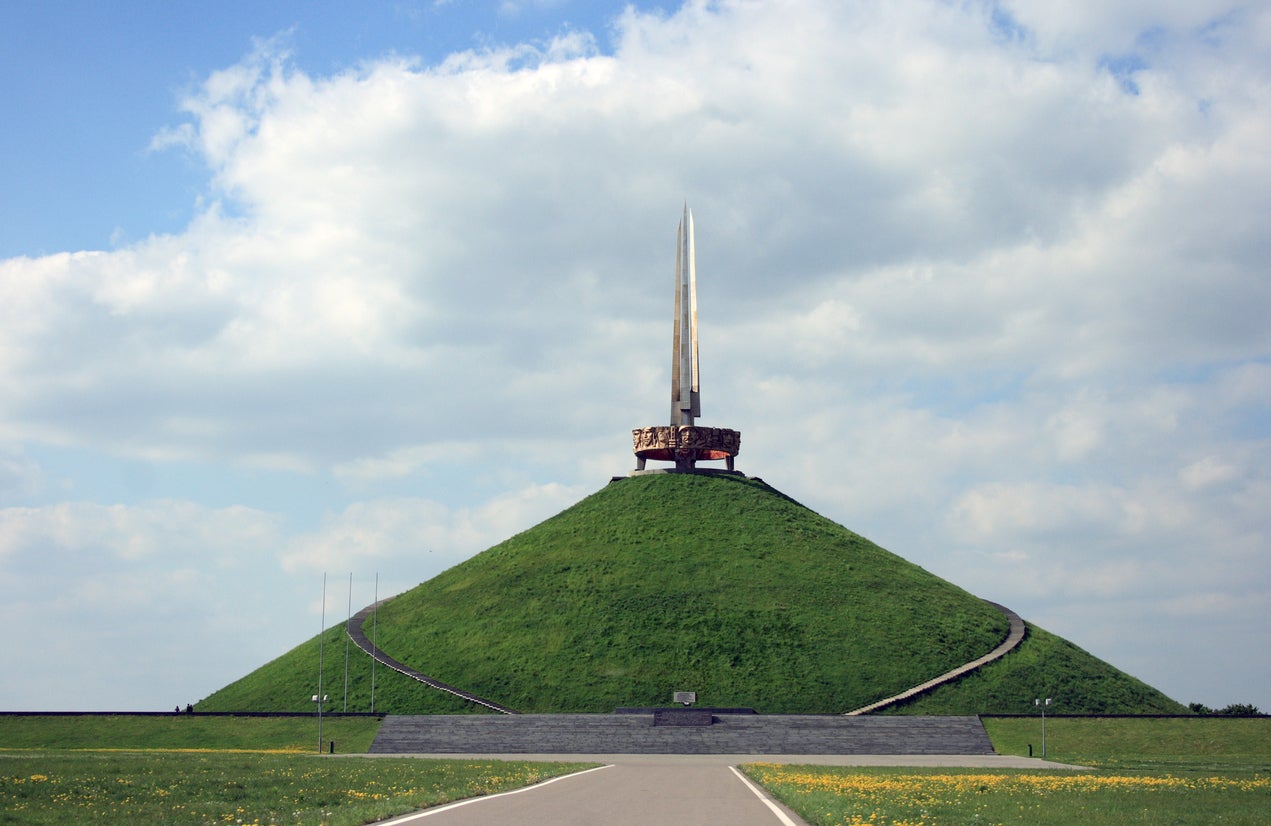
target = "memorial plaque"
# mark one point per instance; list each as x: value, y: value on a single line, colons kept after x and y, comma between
x: 683, y: 717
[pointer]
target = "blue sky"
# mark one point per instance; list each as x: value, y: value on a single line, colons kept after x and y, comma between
x: 89, y: 84
x: 304, y: 288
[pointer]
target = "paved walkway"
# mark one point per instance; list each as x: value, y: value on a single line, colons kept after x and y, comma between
x: 358, y: 636
x: 1014, y: 636
x: 661, y: 789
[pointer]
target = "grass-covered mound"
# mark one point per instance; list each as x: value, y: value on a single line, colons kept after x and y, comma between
x: 289, y: 682
x: 713, y: 584
x: 1044, y: 665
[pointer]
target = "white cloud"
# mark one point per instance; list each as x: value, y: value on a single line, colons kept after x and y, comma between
x: 1206, y: 472
x: 1090, y: 27
x: 387, y: 532
x: 968, y: 284
x: 178, y: 532
x: 19, y: 474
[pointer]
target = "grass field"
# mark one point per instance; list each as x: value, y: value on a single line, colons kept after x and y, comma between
x: 352, y: 735
x: 827, y: 795
x: 192, y: 769
x: 148, y: 787
x: 1190, y: 744
x: 1175, y: 771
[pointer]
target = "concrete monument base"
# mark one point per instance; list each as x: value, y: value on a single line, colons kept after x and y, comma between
x: 686, y: 445
x: 700, y: 471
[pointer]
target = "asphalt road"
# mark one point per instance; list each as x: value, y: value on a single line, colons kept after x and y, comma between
x: 659, y: 789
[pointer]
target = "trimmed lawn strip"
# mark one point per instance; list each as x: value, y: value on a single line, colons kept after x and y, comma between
x: 1197, y: 744
x: 352, y: 735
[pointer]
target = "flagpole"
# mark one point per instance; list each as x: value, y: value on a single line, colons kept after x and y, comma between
x: 319, y: 697
x: 375, y: 627
x: 348, y: 623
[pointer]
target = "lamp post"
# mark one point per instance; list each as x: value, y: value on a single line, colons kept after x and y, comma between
x: 319, y: 701
x: 1040, y: 703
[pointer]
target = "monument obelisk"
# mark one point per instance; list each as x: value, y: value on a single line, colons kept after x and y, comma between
x: 683, y: 442
x: 686, y: 387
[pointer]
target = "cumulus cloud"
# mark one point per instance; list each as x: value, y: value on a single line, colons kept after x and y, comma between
x: 983, y: 281
x: 178, y: 531
x: 382, y: 532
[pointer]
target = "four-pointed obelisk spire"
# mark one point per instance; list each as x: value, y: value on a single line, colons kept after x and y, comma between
x: 683, y: 442
x: 686, y: 388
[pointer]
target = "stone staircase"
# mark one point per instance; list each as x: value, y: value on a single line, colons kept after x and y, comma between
x: 636, y: 734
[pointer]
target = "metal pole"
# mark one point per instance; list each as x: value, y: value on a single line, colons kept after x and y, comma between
x: 348, y: 623
x: 321, y: 633
x: 375, y: 616
x: 1042, y: 705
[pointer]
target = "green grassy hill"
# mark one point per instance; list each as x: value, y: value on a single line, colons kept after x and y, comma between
x: 1044, y: 665
x: 713, y: 584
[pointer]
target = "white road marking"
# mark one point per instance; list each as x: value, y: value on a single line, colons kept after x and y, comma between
x: 439, y: 809
x: 776, y: 810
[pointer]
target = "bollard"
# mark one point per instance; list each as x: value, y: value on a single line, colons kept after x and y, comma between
x: 332, y: 747
x: 1030, y: 749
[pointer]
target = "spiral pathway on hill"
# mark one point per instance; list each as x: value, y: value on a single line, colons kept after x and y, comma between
x: 1014, y: 635
x: 359, y: 639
